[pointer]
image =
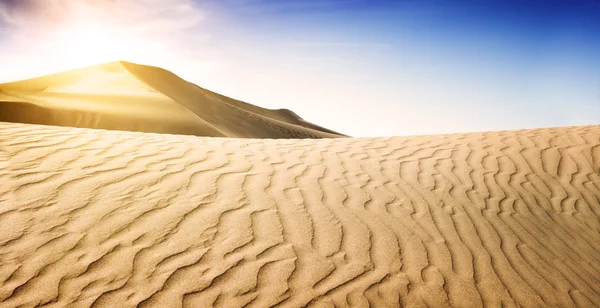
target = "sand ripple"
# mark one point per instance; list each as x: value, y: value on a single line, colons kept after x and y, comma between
x: 118, y: 219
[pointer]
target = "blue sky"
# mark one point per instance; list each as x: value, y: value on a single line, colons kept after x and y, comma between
x: 374, y: 68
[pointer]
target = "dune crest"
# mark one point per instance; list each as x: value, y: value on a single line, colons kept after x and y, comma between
x: 133, y: 97
x: 97, y: 218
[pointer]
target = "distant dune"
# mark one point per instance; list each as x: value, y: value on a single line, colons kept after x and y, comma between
x: 120, y: 219
x: 132, y: 97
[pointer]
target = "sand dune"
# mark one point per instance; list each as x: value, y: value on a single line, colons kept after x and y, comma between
x: 132, y: 97
x: 120, y: 219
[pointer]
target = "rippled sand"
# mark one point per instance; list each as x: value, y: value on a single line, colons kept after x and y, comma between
x: 122, y: 219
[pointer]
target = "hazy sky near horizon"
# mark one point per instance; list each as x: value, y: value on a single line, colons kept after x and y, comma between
x: 364, y: 68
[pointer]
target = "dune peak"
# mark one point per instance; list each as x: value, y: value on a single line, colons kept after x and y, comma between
x: 123, y: 95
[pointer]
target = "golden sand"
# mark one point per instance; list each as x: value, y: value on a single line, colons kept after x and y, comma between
x: 122, y: 219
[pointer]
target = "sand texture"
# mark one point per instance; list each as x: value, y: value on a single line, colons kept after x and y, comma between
x: 120, y: 219
x: 132, y: 97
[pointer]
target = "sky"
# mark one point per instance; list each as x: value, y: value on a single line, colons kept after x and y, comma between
x: 360, y: 67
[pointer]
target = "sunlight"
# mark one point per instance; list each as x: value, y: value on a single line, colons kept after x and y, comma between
x: 87, y: 44
x: 80, y: 43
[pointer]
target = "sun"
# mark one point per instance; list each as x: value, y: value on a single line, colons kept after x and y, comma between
x: 81, y: 43
x: 92, y: 43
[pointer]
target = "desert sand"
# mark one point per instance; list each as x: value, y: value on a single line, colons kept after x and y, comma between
x: 123, y: 219
x: 133, y: 97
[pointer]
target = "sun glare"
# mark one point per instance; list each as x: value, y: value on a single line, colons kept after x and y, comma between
x: 85, y: 44
x: 81, y: 43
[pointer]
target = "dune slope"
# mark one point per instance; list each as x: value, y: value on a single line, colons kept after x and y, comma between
x: 120, y: 219
x: 132, y: 97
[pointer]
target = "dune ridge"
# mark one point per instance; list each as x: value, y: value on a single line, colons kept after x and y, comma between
x: 133, y: 97
x: 98, y: 218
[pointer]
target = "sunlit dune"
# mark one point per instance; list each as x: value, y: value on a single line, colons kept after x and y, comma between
x: 100, y: 218
x: 127, y: 96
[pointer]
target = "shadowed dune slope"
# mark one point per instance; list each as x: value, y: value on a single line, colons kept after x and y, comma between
x: 132, y: 97
x: 120, y: 219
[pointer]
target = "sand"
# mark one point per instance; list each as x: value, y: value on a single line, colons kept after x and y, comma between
x: 121, y: 219
x: 132, y: 97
